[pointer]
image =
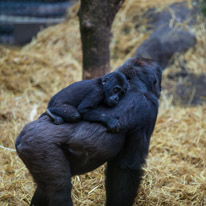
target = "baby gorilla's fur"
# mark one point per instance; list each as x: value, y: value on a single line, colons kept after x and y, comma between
x: 80, y: 100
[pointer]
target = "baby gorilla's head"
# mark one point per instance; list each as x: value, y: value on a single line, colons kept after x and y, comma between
x: 115, y: 86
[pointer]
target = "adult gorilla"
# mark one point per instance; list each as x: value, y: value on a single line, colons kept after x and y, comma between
x: 55, y: 153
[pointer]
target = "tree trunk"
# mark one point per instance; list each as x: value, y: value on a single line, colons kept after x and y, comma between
x: 96, y: 17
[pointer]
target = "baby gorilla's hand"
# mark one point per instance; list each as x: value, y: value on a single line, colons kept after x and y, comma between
x: 113, y: 125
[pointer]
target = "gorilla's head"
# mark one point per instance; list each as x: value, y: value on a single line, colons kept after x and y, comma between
x: 143, y: 75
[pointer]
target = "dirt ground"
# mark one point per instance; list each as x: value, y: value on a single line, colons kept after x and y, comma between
x: 175, y: 173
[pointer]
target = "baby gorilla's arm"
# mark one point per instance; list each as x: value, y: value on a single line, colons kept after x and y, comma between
x: 87, y: 109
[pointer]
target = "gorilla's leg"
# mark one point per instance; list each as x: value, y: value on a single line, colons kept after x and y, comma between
x: 51, y: 171
x: 121, y: 184
x: 67, y: 113
x: 39, y: 198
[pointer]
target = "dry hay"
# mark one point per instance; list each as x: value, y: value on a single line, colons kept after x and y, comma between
x: 175, y: 173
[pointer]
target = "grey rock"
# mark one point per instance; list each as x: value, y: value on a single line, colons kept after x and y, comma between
x: 171, y: 33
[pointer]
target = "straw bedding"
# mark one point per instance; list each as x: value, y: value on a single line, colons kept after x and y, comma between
x: 175, y: 173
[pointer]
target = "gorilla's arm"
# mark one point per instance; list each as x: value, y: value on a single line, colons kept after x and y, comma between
x: 88, y: 111
x: 142, y: 109
x: 124, y: 171
x: 141, y: 119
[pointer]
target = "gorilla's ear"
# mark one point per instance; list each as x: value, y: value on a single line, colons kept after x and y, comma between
x: 105, y: 80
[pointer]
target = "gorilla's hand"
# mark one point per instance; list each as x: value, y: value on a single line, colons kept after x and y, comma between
x: 113, y: 125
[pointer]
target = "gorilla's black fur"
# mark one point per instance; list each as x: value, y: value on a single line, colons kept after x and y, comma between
x: 80, y: 100
x: 55, y: 153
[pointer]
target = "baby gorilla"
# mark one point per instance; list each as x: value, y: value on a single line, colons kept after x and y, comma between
x: 80, y: 99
